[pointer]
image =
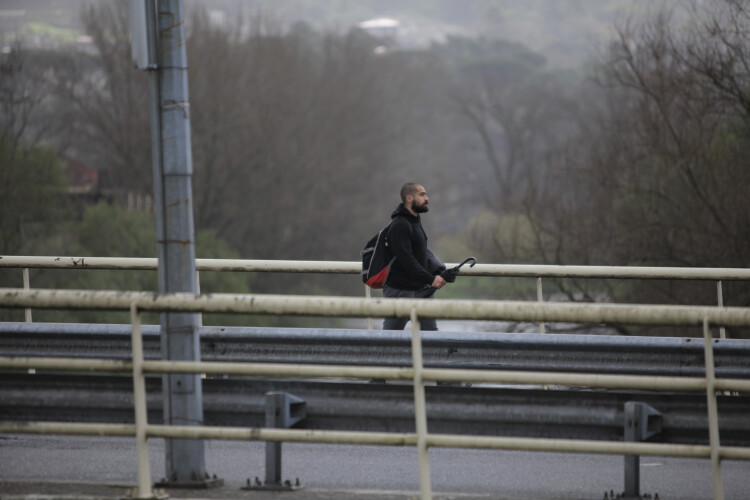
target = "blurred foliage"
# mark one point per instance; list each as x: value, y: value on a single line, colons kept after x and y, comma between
x: 32, y: 194
x: 47, y: 31
x: 487, y: 55
x: 302, y: 136
x: 106, y: 230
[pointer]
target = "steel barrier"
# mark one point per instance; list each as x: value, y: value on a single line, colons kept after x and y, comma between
x: 413, y: 309
x: 612, y: 354
x: 558, y: 412
x: 347, y: 267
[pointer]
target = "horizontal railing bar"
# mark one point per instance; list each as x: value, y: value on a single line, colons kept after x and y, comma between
x: 279, y: 266
x: 433, y: 375
x: 639, y: 382
x: 296, y: 435
x: 47, y: 262
x: 277, y: 370
x: 208, y: 368
x: 379, y: 438
x: 67, y: 428
x: 608, y: 272
x: 734, y: 385
x: 66, y: 364
x: 385, y: 307
x: 583, y: 446
x: 314, y: 371
x: 353, y: 267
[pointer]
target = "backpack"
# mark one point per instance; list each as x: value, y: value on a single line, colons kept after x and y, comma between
x: 377, y: 260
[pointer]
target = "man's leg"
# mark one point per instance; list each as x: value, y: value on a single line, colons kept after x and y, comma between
x: 395, y: 323
x: 427, y: 324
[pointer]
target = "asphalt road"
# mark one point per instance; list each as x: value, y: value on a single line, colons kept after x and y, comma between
x: 358, y: 470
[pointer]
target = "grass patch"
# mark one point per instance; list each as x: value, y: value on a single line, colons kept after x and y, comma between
x: 42, y: 30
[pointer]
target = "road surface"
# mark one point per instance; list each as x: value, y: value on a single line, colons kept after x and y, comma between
x: 487, y: 474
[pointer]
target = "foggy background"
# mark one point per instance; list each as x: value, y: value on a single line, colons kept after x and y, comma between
x: 589, y: 132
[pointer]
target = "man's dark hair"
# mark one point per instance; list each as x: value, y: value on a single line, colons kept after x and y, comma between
x: 408, y: 188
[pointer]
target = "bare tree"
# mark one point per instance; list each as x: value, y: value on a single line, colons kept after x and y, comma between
x: 663, y: 175
x: 104, y: 102
x: 654, y: 171
x: 297, y: 136
x: 31, y: 180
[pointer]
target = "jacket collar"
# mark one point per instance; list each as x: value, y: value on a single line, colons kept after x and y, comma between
x: 401, y: 211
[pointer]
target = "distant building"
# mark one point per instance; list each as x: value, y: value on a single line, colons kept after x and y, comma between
x: 81, y: 178
x: 382, y: 27
x: 84, y: 188
x: 11, y: 23
x: 395, y: 34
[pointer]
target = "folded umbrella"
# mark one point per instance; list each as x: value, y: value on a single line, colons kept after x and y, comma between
x: 449, y: 275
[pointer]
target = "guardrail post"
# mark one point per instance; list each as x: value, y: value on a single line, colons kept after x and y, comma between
x: 540, y: 299
x: 420, y: 410
x: 141, y: 414
x: 198, y: 292
x: 720, y: 294
x: 283, y: 411
x: 27, y: 286
x: 641, y: 422
x: 368, y: 294
x: 713, y: 413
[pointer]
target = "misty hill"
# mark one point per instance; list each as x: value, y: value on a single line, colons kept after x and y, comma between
x: 566, y: 32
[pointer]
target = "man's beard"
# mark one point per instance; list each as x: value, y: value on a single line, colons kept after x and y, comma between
x: 420, y: 209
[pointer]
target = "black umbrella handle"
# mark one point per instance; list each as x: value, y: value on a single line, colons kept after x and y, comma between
x: 449, y: 275
x: 472, y: 259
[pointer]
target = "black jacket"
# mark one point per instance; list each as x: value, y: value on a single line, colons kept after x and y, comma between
x: 415, y: 267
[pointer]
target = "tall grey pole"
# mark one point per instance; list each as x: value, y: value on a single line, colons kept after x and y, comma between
x: 182, y: 393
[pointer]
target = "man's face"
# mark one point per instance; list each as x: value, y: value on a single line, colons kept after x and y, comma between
x: 420, y: 201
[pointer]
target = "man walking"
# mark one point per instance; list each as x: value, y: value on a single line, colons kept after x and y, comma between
x: 416, y: 271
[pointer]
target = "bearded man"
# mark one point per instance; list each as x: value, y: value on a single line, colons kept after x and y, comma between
x: 416, y: 271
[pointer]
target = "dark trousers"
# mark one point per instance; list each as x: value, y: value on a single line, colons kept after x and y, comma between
x: 399, y: 323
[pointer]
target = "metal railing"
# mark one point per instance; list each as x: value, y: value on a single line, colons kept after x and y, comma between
x: 136, y: 302
x: 539, y: 272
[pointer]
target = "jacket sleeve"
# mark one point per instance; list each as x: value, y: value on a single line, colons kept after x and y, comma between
x: 400, y: 236
x: 434, y: 264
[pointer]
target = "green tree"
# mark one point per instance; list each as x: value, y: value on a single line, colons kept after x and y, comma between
x: 108, y: 231
x: 32, y: 181
x: 32, y: 195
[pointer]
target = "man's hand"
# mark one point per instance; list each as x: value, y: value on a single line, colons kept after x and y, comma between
x: 438, y: 282
x: 449, y: 275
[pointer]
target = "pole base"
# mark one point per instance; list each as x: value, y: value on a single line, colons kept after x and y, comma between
x: 134, y: 493
x: 285, y: 486
x: 621, y: 496
x: 213, y: 482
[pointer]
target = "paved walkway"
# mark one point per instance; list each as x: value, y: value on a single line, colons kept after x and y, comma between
x: 63, y: 490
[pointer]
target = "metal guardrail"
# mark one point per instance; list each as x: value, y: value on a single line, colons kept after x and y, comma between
x: 347, y: 267
x: 354, y: 405
x: 417, y: 373
x: 670, y: 356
